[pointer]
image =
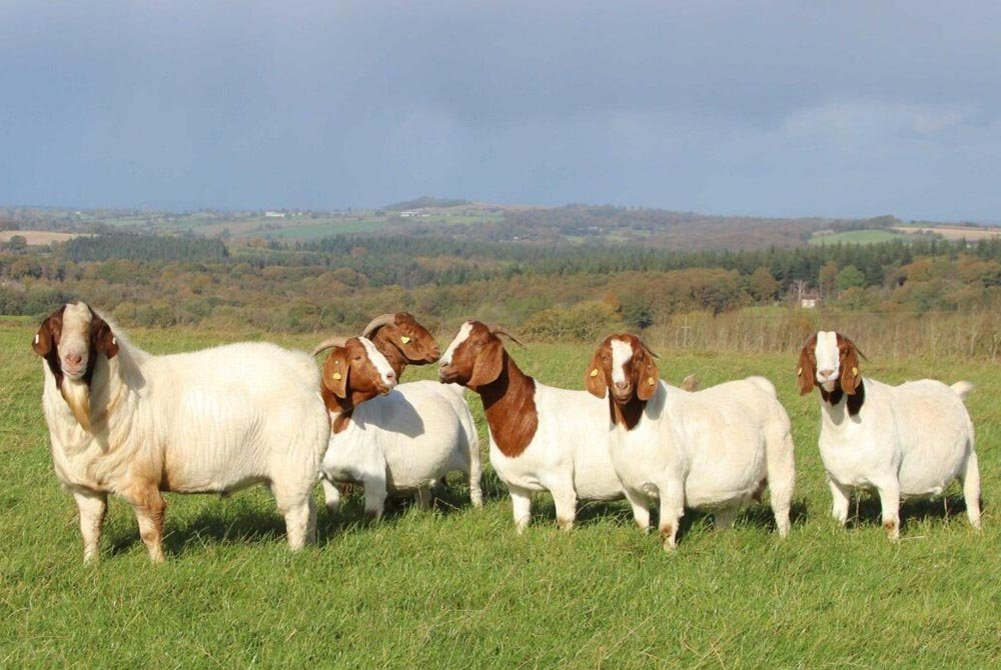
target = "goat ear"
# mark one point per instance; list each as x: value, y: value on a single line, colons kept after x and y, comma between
x: 336, y: 372
x: 850, y: 377
x: 649, y: 377
x: 102, y: 338
x: 807, y: 372
x: 488, y: 364
x: 594, y: 378
x: 42, y: 344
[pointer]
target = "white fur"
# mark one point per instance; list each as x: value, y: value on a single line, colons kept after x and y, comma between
x: 622, y: 353
x: 402, y: 442
x: 382, y: 365
x: 908, y: 440
x: 461, y: 337
x: 214, y: 421
x: 567, y: 456
x: 708, y: 450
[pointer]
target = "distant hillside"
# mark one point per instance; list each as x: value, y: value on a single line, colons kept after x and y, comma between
x: 425, y: 202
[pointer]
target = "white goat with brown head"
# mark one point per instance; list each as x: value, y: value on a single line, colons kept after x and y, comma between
x: 713, y: 450
x: 123, y: 421
x: 910, y: 440
x: 541, y: 438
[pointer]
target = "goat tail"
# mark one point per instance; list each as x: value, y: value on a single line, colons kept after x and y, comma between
x: 962, y: 389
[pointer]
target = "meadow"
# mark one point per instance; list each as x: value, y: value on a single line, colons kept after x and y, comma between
x: 457, y: 587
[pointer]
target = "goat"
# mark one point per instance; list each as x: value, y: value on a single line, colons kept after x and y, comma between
x: 406, y: 440
x: 126, y: 422
x: 713, y: 449
x: 541, y: 438
x: 908, y: 440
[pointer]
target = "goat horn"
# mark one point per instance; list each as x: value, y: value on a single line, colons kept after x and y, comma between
x: 330, y: 342
x: 377, y: 323
x: 500, y: 330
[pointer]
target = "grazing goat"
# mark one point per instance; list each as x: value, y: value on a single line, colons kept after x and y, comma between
x: 906, y: 440
x: 714, y: 449
x: 408, y: 439
x: 541, y: 438
x: 214, y: 421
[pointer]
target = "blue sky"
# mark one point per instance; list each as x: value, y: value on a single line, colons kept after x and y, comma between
x: 767, y: 108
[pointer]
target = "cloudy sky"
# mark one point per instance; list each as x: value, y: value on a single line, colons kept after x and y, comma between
x: 769, y: 108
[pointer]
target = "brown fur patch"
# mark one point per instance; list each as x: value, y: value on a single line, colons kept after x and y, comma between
x: 406, y: 342
x: 509, y: 405
x: 481, y: 364
x: 349, y: 378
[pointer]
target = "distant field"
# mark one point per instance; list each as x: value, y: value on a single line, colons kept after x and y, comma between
x: 858, y: 237
x: 954, y: 232
x: 37, y: 237
x: 315, y: 229
x: 458, y: 588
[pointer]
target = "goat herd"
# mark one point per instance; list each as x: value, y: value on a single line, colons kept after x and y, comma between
x: 214, y: 421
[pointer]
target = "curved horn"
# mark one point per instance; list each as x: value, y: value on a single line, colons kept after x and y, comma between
x: 329, y: 343
x: 500, y: 330
x: 377, y: 323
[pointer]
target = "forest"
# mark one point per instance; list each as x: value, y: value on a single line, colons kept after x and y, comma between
x: 567, y: 291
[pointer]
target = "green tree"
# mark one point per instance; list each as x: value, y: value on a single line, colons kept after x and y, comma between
x: 763, y: 285
x: 849, y: 277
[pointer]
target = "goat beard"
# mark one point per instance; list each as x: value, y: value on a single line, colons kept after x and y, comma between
x: 76, y: 393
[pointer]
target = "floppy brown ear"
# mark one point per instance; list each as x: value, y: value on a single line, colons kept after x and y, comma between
x: 807, y: 372
x: 594, y: 378
x: 646, y: 385
x: 850, y: 377
x: 336, y: 372
x: 42, y: 344
x: 488, y: 364
x: 102, y: 338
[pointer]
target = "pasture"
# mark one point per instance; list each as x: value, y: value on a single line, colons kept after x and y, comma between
x: 859, y: 237
x: 457, y: 587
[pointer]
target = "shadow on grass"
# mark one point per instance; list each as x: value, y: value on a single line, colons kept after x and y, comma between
x: 865, y: 509
x: 234, y: 522
x: 448, y: 499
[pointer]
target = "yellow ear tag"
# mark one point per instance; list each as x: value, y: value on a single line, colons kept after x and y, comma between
x: 36, y: 338
x: 650, y: 381
x: 799, y: 372
x: 337, y: 376
x: 594, y: 372
x: 405, y: 339
x: 854, y: 372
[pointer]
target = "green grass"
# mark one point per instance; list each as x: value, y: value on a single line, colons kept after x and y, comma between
x: 458, y: 588
x: 859, y: 237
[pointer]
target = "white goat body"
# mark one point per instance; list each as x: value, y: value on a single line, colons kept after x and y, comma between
x: 404, y: 442
x: 908, y: 440
x: 211, y: 421
x: 710, y: 450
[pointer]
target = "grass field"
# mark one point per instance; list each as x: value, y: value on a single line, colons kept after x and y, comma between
x: 859, y: 237
x: 969, y: 233
x: 458, y: 588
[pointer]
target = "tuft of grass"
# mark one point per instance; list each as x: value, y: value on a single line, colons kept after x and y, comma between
x: 457, y: 588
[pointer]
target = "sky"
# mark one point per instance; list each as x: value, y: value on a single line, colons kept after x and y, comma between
x: 846, y: 109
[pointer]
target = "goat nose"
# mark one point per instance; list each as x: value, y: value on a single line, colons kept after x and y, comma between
x: 74, y: 359
x: 391, y: 376
x: 825, y: 373
x: 622, y: 386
